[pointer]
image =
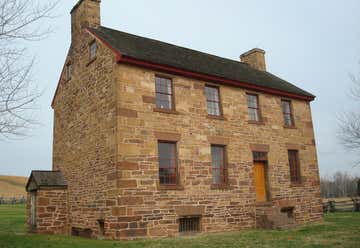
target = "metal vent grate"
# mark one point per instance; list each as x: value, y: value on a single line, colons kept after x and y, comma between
x: 189, y: 224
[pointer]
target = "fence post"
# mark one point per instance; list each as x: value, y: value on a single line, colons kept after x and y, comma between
x: 332, y: 206
x: 356, y: 205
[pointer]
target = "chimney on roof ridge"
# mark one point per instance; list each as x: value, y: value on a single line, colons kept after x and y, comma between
x: 255, y: 58
x: 86, y: 13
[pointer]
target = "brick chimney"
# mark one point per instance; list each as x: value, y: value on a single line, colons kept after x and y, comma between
x: 86, y: 13
x: 254, y: 58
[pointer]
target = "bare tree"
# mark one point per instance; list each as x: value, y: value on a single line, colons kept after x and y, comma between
x: 21, y: 21
x: 350, y: 123
x: 341, y: 184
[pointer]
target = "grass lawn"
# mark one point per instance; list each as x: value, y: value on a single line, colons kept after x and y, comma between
x: 338, y: 230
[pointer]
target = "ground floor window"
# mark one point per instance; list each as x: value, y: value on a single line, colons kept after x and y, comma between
x: 167, y: 163
x: 189, y: 224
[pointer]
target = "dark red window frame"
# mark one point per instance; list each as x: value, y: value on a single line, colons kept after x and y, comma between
x: 168, y: 164
x: 256, y: 108
x: 92, y: 50
x: 161, y: 91
x: 215, y: 101
x: 294, y: 163
x: 68, y: 72
x: 287, y: 114
x: 218, y: 166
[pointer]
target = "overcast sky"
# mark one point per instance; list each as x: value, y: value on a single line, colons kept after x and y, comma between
x: 313, y: 44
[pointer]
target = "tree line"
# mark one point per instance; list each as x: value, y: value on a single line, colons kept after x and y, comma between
x: 341, y: 184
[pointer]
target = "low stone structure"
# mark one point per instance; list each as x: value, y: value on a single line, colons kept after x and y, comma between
x: 156, y: 140
x: 47, y: 202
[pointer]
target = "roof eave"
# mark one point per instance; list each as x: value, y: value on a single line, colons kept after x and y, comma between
x: 177, y: 71
x: 120, y: 58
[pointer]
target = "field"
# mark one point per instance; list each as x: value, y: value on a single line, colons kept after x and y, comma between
x: 12, y: 186
x: 338, y: 230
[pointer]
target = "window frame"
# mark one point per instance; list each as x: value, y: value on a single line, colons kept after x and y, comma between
x: 172, y: 95
x: 68, y: 73
x: 291, y: 114
x: 176, y: 173
x: 224, y: 167
x: 93, y: 42
x: 258, y: 110
x: 295, y: 178
x: 218, y: 102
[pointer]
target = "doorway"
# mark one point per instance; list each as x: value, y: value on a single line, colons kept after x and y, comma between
x: 33, y: 210
x: 260, y: 181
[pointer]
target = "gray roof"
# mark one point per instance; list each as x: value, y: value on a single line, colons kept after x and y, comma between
x: 183, y: 58
x: 40, y: 179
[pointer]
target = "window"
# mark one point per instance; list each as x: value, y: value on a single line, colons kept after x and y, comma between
x: 218, y: 164
x: 164, y: 93
x: 260, y: 156
x: 213, y: 100
x: 167, y: 163
x: 287, y: 113
x: 93, y: 48
x: 189, y: 224
x: 294, y: 166
x: 253, y: 107
x: 68, y: 71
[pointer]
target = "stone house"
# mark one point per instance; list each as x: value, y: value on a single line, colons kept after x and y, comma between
x: 156, y: 140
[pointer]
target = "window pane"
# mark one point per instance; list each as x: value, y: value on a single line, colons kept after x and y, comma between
x: 212, y: 93
x: 252, y: 101
x: 212, y: 100
x: 167, y: 163
x: 253, y: 114
x: 163, y: 87
x: 294, y: 166
x: 93, y: 48
x: 286, y: 107
x: 68, y: 71
x: 288, y: 120
x: 213, y: 108
x: 218, y: 164
x: 163, y: 101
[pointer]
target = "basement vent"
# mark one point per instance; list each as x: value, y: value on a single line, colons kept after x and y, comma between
x: 81, y: 232
x: 189, y: 224
x: 289, y: 211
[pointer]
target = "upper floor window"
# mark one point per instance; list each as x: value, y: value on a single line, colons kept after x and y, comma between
x: 93, y: 49
x: 213, y: 100
x: 167, y: 163
x: 68, y: 71
x: 294, y: 166
x: 219, y: 167
x: 253, y: 107
x: 287, y: 113
x: 164, y: 93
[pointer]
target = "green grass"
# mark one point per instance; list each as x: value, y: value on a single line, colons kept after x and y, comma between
x: 338, y: 230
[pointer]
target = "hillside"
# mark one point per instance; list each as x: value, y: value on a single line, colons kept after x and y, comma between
x: 12, y: 186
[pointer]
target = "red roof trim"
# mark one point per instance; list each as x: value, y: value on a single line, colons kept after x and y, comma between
x: 195, y: 75
x: 173, y: 70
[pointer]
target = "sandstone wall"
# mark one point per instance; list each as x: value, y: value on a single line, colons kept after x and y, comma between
x: 51, y: 211
x: 144, y: 208
x: 85, y: 132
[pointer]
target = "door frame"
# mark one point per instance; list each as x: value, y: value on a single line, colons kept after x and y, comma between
x: 261, y: 157
x: 33, y: 210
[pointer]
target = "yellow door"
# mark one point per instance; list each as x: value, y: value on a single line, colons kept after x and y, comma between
x: 260, y: 185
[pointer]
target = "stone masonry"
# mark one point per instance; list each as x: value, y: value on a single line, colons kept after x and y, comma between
x: 51, y: 212
x: 106, y: 129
